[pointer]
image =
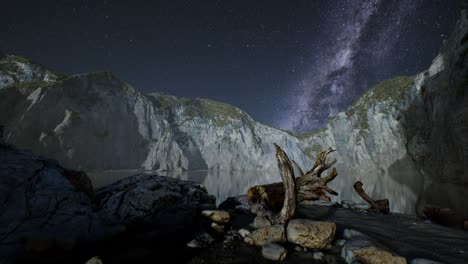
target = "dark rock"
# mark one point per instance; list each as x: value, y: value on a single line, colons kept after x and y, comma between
x: 144, y: 198
x: 81, y: 181
x: 40, y: 207
x: 48, y: 215
x: 239, y: 203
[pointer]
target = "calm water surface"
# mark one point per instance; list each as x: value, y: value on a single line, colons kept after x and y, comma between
x: 221, y: 184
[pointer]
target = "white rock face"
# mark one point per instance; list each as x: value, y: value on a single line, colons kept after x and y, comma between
x: 98, y: 115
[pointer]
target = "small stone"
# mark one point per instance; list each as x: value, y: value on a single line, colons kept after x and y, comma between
x: 217, y: 227
x: 201, y: 241
x: 275, y: 233
x: 319, y: 256
x: 260, y: 221
x: 94, y: 260
x: 244, y: 233
x: 275, y: 252
x: 217, y: 215
x: 423, y: 261
x: 311, y: 234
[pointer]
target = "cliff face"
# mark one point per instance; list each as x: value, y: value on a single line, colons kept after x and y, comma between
x: 98, y: 122
x: 406, y: 139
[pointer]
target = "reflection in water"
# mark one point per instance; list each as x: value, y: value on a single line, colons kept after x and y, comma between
x: 221, y: 184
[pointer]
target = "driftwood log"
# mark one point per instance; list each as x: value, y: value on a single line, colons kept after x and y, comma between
x: 308, y: 186
x: 382, y: 206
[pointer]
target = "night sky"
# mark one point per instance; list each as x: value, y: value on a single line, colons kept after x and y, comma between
x: 289, y: 64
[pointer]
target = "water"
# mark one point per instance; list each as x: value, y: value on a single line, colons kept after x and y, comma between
x: 221, y: 184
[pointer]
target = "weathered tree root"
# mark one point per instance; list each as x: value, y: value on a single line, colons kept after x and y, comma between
x: 382, y: 206
x: 283, y: 196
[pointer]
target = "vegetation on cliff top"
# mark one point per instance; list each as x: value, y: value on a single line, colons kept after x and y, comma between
x: 11, y: 66
x: 220, y: 113
x: 387, y: 91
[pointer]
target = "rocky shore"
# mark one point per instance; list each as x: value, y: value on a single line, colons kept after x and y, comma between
x: 52, y: 215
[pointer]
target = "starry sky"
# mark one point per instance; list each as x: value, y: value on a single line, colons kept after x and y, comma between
x: 289, y: 64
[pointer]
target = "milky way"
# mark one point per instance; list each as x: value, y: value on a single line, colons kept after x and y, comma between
x: 289, y: 64
x: 361, y: 35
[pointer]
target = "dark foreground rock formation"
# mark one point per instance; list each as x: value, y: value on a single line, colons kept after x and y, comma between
x: 47, y: 216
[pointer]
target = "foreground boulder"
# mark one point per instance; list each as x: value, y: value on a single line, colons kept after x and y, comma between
x: 259, y: 237
x: 41, y: 209
x: 48, y: 212
x: 143, y: 198
x: 311, y: 234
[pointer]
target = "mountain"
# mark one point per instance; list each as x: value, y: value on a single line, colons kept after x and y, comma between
x: 96, y: 121
x: 405, y: 138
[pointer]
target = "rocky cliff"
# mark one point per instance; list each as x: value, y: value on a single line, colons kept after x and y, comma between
x: 405, y: 139
x: 97, y: 122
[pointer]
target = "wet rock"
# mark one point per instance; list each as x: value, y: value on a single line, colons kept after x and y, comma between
x: 244, y: 233
x: 274, y: 233
x: 94, y: 260
x: 201, y: 241
x: 217, y: 215
x: 274, y: 252
x: 260, y: 221
x: 366, y: 252
x: 311, y: 234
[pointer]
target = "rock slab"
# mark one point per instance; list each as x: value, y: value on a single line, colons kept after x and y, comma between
x: 311, y: 234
